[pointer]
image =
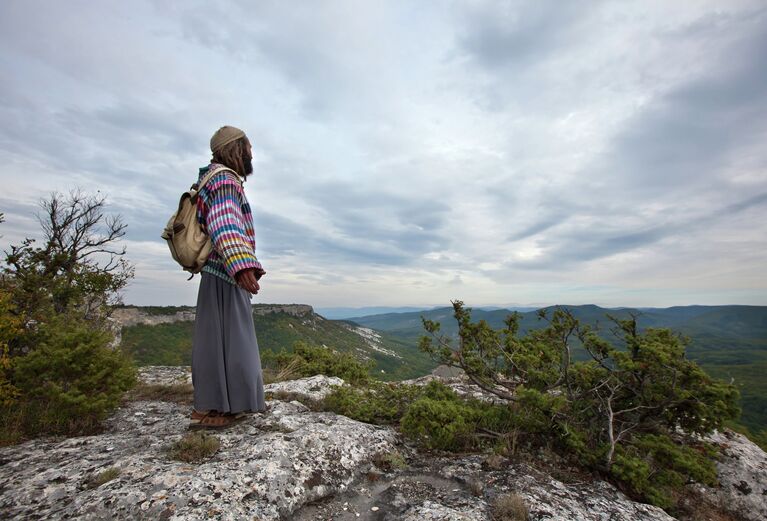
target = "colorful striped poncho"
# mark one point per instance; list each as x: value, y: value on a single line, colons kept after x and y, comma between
x: 224, y: 211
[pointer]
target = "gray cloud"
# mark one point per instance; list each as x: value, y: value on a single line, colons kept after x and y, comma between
x: 599, y: 241
x: 687, y: 137
x: 408, y: 142
x: 518, y: 34
x: 278, y: 235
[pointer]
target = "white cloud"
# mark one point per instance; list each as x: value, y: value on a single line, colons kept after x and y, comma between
x: 522, y: 152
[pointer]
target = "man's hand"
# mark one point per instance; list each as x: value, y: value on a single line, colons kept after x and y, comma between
x: 247, y: 279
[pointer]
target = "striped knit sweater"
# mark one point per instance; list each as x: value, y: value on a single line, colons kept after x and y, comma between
x: 224, y: 211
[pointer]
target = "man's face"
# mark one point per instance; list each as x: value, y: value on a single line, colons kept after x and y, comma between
x: 247, y: 160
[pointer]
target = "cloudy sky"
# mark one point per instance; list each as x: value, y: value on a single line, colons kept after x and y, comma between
x: 409, y: 153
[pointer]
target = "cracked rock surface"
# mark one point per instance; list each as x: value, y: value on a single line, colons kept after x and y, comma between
x: 294, y: 463
x: 265, y: 468
x: 742, y: 470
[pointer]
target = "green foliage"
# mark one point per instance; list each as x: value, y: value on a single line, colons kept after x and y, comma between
x: 535, y: 411
x: 194, y: 447
x: 389, y: 461
x: 307, y: 360
x: 11, y: 326
x: 656, y: 467
x: 75, y: 373
x: 59, y: 374
x: 728, y: 342
x: 377, y: 402
x: 620, y: 412
x: 161, y: 344
x: 423, y: 412
x: 76, y: 271
x: 439, y: 424
x: 440, y: 419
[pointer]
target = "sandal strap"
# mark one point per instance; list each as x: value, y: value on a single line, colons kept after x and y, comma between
x: 217, y: 420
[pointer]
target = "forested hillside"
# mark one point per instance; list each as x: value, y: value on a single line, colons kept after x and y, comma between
x: 171, y: 343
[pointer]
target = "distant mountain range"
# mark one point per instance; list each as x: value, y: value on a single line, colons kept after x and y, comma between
x: 340, y: 313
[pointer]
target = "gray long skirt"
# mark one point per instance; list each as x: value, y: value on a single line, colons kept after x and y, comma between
x: 226, y: 363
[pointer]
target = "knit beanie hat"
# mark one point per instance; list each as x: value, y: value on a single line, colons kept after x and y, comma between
x: 224, y: 136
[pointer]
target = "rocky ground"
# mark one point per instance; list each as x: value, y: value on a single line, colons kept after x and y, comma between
x: 296, y: 463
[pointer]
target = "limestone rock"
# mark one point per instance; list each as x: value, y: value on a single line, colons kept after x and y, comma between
x: 129, y: 316
x: 313, y: 388
x: 550, y: 499
x: 742, y: 470
x: 276, y: 465
x: 165, y: 374
x: 297, y: 310
x: 266, y: 466
x: 430, y: 510
x: 461, y: 384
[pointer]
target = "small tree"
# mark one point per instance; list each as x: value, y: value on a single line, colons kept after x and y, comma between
x: 630, y: 412
x: 79, y: 269
x: 60, y: 375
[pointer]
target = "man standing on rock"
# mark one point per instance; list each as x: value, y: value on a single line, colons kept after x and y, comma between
x: 226, y: 363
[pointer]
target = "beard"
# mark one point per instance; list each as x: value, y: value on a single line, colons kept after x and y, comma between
x: 248, y: 164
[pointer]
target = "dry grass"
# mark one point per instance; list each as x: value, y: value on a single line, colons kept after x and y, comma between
x: 693, y: 505
x: 27, y: 420
x: 510, y: 507
x: 194, y: 447
x: 182, y: 393
x: 289, y: 372
x: 389, y: 460
x: 289, y: 396
x: 102, y: 477
x: 373, y: 476
x: 476, y: 487
x: 495, y: 462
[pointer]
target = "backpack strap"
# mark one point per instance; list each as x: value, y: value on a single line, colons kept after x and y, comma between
x: 213, y: 172
x: 204, y: 181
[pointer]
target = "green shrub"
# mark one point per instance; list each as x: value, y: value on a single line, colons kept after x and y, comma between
x: 418, y: 409
x: 102, y: 477
x: 630, y: 412
x: 440, y: 424
x: 510, y: 507
x: 72, y: 380
x: 57, y: 372
x: 307, y: 360
x: 378, y: 402
x: 11, y: 326
x: 656, y: 467
x: 194, y: 447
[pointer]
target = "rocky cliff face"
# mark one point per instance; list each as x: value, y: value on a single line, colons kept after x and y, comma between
x: 128, y: 316
x: 297, y: 310
x: 296, y: 463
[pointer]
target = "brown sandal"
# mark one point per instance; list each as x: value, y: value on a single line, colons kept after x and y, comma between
x: 214, y: 420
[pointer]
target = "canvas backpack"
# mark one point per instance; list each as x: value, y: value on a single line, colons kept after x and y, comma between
x: 187, y: 240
